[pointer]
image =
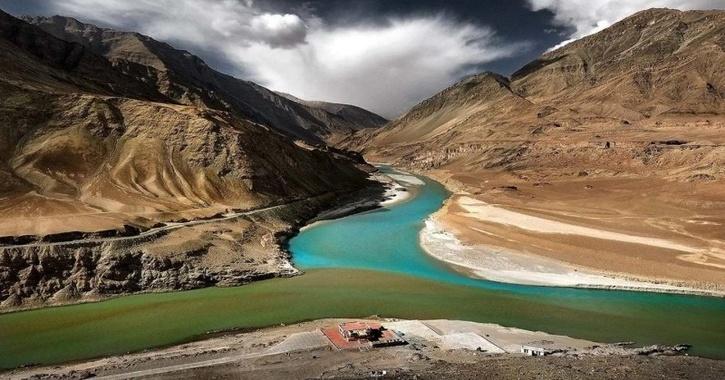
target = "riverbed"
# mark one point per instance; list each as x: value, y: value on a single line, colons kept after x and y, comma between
x: 361, y: 265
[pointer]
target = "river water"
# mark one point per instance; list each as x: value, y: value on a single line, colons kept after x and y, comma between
x: 387, y: 240
x: 361, y: 265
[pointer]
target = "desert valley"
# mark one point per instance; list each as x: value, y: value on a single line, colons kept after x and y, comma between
x: 606, y: 154
x: 162, y: 219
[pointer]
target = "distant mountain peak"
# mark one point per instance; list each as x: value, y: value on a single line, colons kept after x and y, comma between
x: 359, y: 118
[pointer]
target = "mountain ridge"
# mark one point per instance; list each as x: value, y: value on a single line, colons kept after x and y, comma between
x: 75, y: 113
x: 673, y: 72
x: 352, y: 112
x: 187, y: 79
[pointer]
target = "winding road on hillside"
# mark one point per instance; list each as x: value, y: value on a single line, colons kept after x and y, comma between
x: 168, y: 226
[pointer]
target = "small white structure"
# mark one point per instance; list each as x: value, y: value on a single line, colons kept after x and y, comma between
x: 533, y: 351
x: 541, y: 348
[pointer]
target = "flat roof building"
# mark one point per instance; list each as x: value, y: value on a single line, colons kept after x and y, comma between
x: 542, y: 348
x: 361, y: 335
x: 360, y: 330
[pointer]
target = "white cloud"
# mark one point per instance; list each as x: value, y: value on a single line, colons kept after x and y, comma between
x: 386, y: 68
x: 590, y: 16
x: 278, y: 30
x: 200, y: 22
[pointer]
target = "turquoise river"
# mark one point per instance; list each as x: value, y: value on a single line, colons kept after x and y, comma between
x: 364, y: 264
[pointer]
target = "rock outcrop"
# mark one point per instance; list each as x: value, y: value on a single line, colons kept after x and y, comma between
x: 227, y: 252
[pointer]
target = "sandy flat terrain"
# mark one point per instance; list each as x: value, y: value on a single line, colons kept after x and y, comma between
x: 446, y: 348
x: 407, y: 179
x: 601, y: 232
x: 398, y: 187
x: 509, y: 266
x: 494, y: 214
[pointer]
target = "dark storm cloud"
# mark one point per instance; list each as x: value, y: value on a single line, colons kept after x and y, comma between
x: 380, y: 54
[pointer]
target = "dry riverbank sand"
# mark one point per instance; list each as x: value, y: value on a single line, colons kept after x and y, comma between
x: 302, y: 351
x: 556, y: 234
x: 397, y: 190
x: 504, y: 265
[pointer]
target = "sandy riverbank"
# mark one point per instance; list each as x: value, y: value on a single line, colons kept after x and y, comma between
x: 302, y: 351
x: 398, y: 188
x: 493, y: 242
x: 503, y: 265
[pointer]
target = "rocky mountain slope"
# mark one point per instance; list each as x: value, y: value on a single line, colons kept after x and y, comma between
x: 89, y: 151
x: 623, y: 130
x: 625, y: 93
x: 187, y: 79
x: 358, y: 118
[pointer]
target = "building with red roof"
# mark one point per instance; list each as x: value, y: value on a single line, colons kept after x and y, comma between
x: 361, y: 335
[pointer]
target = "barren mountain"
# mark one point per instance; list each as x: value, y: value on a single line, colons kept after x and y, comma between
x: 344, y: 116
x: 89, y: 152
x: 187, y: 79
x: 623, y: 130
x: 654, y: 66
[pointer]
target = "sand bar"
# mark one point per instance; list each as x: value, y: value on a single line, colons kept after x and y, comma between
x: 508, y: 266
x: 491, y: 213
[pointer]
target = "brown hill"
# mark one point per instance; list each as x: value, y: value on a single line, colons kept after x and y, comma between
x: 62, y: 66
x: 187, y: 79
x: 80, y: 135
x: 623, y: 129
x: 656, y: 67
x: 346, y: 116
x: 100, y: 174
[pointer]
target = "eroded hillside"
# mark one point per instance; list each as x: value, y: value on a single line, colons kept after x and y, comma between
x: 109, y: 185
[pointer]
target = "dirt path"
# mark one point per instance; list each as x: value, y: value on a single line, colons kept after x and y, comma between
x: 185, y: 367
x: 156, y: 230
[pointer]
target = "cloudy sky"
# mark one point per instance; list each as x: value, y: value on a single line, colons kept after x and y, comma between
x: 384, y: 55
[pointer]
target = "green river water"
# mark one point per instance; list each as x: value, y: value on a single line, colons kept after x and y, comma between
x: 365, y: 264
